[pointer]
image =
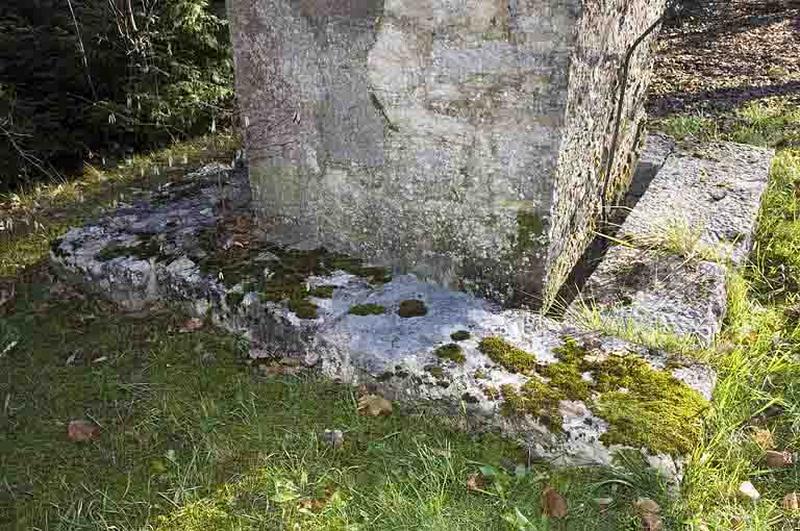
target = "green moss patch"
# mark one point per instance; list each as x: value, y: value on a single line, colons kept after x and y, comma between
x: 504, y: 353
x: 567, y: 379
x: 367, y: 309
x: 303, y: 308
x: 412, y: 308
x: 643, y: 406
x: 147, y: 247
x: 452, y: 352
x: 536, y: 398
x: 530, y: 226
x: 322, y: 292
x: 460, y: 335
x: 647, y: 407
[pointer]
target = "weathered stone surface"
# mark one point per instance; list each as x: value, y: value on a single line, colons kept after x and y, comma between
x: 194, y: 243
x: 698, y: 214
x: 466, y: 141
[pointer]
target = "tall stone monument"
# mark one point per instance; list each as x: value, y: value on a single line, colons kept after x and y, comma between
x: 473, y: 142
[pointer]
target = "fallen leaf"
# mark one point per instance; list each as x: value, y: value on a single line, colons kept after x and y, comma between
x: 791, y: 502
x: 312, y: 505
x: 191, y: 325
x: 374, y: 406
x: 763, y: 438
x: 747, y: 490
x: 775, y: 459
x: 476, y: 482
x: 82, y: 430
x: 553, y: 503
x: 648, y: 511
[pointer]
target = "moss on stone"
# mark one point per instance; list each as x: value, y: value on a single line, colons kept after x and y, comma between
x: 460, y: 335
x: 491, y: 392
x: 303, y: 308
x: 507, y: 355
x: 479, y: 375
x: 570, y: 351
x: 435, y: 371
x: 287, y: 272
x: 530, y: 227
x: 322, y: 292
x: 644, y: 407
x: 566, y: 377
x: 412, y: 308
x: 451, y: 352
x: 647, y: 407
x: 367, y: 309
x: 535, y: 398
x: 145, y: 248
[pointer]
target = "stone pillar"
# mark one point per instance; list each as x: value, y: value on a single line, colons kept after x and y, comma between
x: 463, y: 140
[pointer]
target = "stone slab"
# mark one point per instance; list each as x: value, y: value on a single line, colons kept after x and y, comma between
x: 195, y: 243
x: 696, y: 217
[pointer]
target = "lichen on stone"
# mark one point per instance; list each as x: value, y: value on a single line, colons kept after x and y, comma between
x: 507, y: 355
x: 460, y: 335
x: 412, y: 308
x: 367, y: 309
x: 451, y: 352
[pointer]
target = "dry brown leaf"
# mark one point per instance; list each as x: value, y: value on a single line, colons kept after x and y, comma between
x: 82, y: 430
x: 775, y: 459
x: 553, y: 504
x: 791, y: 502
x: 648, y: 510
x: 476, y: 482
x: 374, y: 406
x: 191, y: 325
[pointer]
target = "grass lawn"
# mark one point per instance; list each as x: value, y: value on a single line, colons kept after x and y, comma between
x: 193, y: 437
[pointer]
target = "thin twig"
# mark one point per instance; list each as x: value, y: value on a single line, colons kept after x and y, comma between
x: 82, y: 50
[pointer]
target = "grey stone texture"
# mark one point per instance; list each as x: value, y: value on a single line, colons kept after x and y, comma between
x: 697, y: 217
x: 465, y: 141
x: 195, y: 243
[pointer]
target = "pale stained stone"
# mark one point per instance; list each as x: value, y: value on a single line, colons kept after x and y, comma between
x: 469, y: 138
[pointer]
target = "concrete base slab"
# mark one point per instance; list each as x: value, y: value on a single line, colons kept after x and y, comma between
x: 572, y: 397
